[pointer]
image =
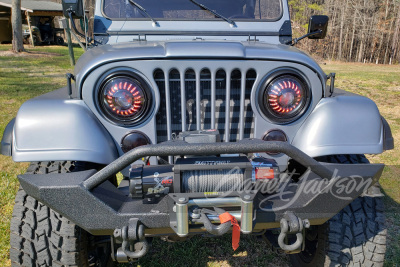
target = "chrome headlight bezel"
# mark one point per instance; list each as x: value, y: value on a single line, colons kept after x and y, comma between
x: 301, y: 87
x: 129, y: 117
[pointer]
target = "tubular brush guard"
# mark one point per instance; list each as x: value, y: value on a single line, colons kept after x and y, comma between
x: 113, y: 209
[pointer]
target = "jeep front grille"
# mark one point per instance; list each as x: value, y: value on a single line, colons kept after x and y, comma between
x: 187, y: 96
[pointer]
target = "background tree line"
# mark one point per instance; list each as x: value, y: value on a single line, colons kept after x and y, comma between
x: 359, y: 30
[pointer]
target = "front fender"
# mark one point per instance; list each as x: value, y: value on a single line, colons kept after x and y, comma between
x: 49, y: 129
x: 343, y: 124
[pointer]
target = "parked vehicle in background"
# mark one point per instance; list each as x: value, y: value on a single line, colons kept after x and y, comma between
x: 45, y: 33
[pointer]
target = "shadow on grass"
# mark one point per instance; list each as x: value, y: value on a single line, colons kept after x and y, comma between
x: 212, y: 251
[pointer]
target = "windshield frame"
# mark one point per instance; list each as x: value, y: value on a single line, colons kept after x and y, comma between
x: 239, y: 20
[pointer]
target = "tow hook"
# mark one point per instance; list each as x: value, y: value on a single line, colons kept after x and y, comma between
x: 226, y: 220
x: 291, y: 224
x: 133, y: 237
x: 211, y: 228
x: 182, y: 206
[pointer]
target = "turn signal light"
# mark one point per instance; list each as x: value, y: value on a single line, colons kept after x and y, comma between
x: 134, y: 139
x: 275, y: 135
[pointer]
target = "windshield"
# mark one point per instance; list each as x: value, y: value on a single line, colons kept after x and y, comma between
x: 237, y: 10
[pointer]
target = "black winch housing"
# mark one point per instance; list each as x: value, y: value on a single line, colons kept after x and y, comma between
x: 201, y: 174
x: 194, y: 174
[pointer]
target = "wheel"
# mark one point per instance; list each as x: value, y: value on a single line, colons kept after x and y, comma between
x: 59, y: 40
x: 35, y: 40
x: 42, y: 237
x: 356, y: 236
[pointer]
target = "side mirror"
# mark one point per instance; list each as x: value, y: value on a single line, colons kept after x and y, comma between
x: 75, y: 7
x: 318, y: 23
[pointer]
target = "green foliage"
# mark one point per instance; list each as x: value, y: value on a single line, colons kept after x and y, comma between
x: 303, y: 9
x: 315, y: 7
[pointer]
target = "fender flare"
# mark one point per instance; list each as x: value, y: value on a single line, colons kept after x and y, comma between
x: 344, y: 124
x: 6, y: 140
x: 60, y: 129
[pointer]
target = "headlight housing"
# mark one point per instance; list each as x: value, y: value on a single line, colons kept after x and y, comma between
x: 124, y: 98
x: 284, y: 96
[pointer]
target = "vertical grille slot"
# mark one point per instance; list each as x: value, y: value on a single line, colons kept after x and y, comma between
x: 161, y: 116
x: 205, y: 102
x: 190, y: 87
x: 220, y: 101
x: 194, y: 100
x: 175, y: 100
x: 234, y: 105
x: 249, y: 122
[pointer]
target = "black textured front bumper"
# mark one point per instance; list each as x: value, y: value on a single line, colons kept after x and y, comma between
x: 93, y: 203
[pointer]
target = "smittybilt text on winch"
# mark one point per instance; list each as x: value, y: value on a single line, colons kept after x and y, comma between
x: 217, y: 124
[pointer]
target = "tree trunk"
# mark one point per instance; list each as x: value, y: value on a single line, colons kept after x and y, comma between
x: 341, y: 31
x: 334, y: 15
x: 16, y: 22
x: 345, y: 50
x: 363, y: 18
x: 388, y: 41
x: 352, y: 37
x: 373, y: 39
x: 378, y: 53
x: 395, y: 38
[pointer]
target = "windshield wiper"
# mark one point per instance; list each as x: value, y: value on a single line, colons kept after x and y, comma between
x: 213, y: 12
x: 144, y: 12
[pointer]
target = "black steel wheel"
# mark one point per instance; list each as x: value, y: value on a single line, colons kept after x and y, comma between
x: 59, y: 40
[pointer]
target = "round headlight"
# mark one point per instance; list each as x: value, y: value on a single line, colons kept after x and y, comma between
x: 124, y: 99
x: 284, y: 98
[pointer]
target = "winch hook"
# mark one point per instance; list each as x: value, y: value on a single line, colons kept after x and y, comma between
x: 211, y: 228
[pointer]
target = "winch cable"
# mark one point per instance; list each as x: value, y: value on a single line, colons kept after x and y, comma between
x: 213, y: 180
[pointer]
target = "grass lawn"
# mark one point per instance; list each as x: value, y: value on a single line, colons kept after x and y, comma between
x: 43, y: 69
x: 21, y: 78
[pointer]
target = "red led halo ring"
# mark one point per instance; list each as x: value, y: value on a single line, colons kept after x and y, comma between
x: 124, y: 99
x: 285, y: 97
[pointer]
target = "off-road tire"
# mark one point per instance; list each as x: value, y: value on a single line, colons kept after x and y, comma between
x: 39, y: 235
x: 356, y: 236
x: 35, y: 40
x: 59, y: 40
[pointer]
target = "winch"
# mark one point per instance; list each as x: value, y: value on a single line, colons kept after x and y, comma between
x: 201, y: 174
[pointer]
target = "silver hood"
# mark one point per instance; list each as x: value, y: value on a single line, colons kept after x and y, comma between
x: 196, y: 49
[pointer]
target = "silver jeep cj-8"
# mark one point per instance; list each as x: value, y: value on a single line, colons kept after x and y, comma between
x: 217, y: 124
